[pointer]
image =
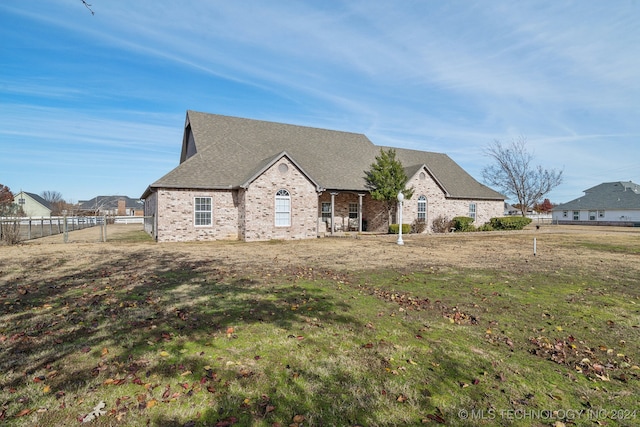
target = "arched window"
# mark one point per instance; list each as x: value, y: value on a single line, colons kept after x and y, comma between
x: 283, y: 208
x: 422, y: 208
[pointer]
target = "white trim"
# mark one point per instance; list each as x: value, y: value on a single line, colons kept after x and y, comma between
x: 282, y: 198
x: 195, y: 211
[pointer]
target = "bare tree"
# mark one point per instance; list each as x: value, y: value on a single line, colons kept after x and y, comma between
x: 513, y: 173
x: 55, y: 200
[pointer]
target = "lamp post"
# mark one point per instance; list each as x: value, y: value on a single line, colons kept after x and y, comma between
x: 400, y: 199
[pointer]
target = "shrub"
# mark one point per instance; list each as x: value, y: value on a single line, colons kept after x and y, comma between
x: 441, y: 224
x: 510, y: 222
x: 418, y: 226
x: 10, y: 232
x: 463, y: 223
x: 393, y: 228
x: 485, y: 227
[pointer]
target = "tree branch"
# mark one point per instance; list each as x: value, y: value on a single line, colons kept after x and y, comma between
x: 88, y: 6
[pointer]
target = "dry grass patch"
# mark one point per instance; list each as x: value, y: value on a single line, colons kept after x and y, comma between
x: 321, y: 332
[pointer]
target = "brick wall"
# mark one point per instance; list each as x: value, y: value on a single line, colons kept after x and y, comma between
x: 439, y: 205
x: 258, y: 205
x: 249, y: 214
x: 175, y: 216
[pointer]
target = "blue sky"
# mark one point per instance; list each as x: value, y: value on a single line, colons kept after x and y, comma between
x: 95, y: 104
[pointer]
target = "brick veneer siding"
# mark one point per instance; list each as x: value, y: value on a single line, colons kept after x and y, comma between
x: 439, y: 205
x: 374, y: 213
x: 249, y: 214
x: 175, y: 215
x: 258, y: 205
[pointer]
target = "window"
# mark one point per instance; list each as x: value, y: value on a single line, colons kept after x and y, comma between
x: 202, y: 211
x: 353, y: 210
x: 601, y: 214
x: 592, y: 215
x: 326, y: 211
x: 472, y: 211
x: 422, y: 208
x: 283, y: 208
x: 565, y: 214
x: 576, y: 215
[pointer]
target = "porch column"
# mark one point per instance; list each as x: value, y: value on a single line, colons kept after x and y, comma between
x: 333, y: 222
x: 360, y: 196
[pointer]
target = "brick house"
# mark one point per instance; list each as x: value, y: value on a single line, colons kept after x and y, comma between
x: 256, y: 180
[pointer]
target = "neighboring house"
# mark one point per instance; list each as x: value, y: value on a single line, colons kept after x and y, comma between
x: 256, y: 180
x: 32, y: 205
x: 510, y: 210
x: 610, y: 203
x: 112, y: 205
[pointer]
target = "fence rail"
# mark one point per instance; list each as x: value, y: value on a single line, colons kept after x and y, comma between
x: 37, y: 227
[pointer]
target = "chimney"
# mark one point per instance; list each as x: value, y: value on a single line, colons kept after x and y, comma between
x: 122, y: 211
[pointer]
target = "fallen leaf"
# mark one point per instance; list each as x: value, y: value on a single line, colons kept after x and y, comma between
x: 166, y: 391
x: 23, y: 413
x: 436, y: 418
x: 164, y: 354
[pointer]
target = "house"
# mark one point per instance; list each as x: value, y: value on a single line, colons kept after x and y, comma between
x: 112, y: 206
x: 256, y: 180
x: 610, y: 203
x: 32, y: 205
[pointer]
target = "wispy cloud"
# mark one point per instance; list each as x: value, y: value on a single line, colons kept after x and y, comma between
x: 439, y: 76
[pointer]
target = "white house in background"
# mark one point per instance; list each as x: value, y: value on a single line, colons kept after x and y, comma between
x: 610, y: 203
x: 32, y: 205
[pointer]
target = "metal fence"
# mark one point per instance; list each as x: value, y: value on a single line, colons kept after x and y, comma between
x: 38, y: 227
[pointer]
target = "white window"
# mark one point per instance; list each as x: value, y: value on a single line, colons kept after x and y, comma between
x: 326, y: 211
x: 353, y: 210
x: 202, y: 212
x: 601, y: 214
x: 592, y: 215
x: 283, y: 208
x: 422, y: 208
x: 565, y: 214
x: 472, y: 211
x: 576, y: 215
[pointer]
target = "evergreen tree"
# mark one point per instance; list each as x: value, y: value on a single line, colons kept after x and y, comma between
x: 386, y: 178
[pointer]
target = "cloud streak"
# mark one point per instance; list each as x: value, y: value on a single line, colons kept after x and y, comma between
x: 448, y: 77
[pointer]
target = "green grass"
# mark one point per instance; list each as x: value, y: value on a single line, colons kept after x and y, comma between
x: 191, y: 344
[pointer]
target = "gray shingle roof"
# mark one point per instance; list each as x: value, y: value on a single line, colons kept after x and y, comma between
x: 40, y: 200
x: 230, y: 150
x: 622, y: 195
x: 109, y: 202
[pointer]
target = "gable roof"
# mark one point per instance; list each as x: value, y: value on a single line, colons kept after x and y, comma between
x: 37, y: 199
x: 622, y: 195
x: 223, y: 152
x: 109, y: 202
